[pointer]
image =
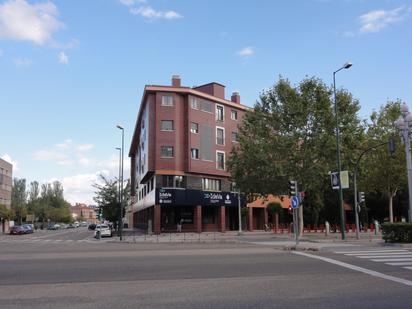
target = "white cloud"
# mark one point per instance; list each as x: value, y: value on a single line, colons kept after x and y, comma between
x: 78, y: 188
x: 35, y: 22
x: 246, y: 52
x: 63, y: 58
x: 85, y: 147
x: 84, y: 161
x: 22, y: 62
x: 7, y: 157
x: 69, y: 45
x: 131, y: 2
x: 374, y: 21
x: 65, y: 145
x: 64, y: 162
x: 149, y: 12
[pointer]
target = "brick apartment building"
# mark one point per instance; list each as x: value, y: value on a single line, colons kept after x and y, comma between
x: 6, y: 176
x: 82, y: 212
x: 182, y: 139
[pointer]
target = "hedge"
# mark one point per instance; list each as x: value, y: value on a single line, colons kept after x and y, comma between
x: 397, y: 232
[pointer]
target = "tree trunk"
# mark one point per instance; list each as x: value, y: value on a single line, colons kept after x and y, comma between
x: 277, y: 220
x: 391, y: 208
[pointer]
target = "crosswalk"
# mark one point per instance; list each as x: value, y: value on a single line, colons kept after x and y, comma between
x: 48, y: 241
x: 393, y: 257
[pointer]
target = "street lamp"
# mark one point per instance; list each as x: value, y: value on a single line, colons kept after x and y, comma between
x: 342, y: 213
x: 121, y: 185
x: 118, y: 186
x: 404, y: 124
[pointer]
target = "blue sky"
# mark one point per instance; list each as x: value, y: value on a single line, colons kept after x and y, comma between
x: 71, y: 70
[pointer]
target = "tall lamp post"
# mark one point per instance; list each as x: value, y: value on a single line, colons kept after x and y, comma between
x: 404, y: 124
x: 121, y: 186
x: 118, y: 186
x: 342, y: 212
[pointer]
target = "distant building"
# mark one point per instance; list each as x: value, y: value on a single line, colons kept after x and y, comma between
x: 82, y: 212
x: 181, y: 143
x: 6, y: 176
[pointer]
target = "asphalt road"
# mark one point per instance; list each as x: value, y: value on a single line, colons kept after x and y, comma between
x: 75, y: 274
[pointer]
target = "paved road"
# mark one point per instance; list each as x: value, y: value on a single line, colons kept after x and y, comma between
x: 113, y: 275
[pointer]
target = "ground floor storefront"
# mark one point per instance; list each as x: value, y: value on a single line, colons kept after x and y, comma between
x: 185, y: 218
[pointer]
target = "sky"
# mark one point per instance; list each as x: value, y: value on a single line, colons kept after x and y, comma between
x: 70, y: 71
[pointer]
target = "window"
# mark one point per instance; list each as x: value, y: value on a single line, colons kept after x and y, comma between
x: 220, y: 160
x: 206, y: 106
x: 167, y: 100
x: 194, y: 128
x: 220, y: 136
x: 172, y: 181
x: 194, y: 103
x: 219, y: 113
x: 195, y: 153
x: 234, y: 136
x: 166, y: 125
x: 209, y: 184
x: 166, y: 151
x: 233, y: 115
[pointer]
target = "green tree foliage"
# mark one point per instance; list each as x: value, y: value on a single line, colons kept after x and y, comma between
x: 5, y: 215
x: 107, y: 198
x: 18, y: 199
x: 384, y: 173
x: 290, y: 134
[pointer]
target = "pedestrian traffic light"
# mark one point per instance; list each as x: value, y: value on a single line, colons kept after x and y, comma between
x: 361, y: 197
x: 292, y: 187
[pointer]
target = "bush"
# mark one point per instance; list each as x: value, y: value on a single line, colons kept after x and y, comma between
x: 397, y: 232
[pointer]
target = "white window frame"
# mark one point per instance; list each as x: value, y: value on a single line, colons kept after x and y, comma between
x: 195, y: 106
x: 163, y: 101
x: 224, y: 134
x: 224, y: 160
x: 231, y: 137
x: 165, y: 130
x: 191, y: 153
x: 233, y: 112
x: 191, y: 130
x: 223, y: 112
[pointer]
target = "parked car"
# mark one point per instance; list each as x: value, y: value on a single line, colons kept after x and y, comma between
x: 28, y: 228
x: 70, y: 226
x: 104, y: 230
x: 76, y: 224
x: 92, y: 227
x: 17, y: 230
x: 53, y: 226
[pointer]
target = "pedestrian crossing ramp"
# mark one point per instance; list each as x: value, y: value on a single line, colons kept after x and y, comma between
x: 393, y: 257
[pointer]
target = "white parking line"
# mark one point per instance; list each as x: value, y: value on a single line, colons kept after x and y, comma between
x: 399, y: 263
x: 356, y: 268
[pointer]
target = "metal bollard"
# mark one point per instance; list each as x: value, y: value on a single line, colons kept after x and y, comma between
x: 376, y: 227
x: 98, y: 235
x: 327, y: 229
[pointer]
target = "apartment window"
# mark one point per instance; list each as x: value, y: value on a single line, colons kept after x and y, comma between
x: 219, y: 113
x: 167, y: 100
x: 209, y: 184
x: 234, y: 136
x: 166, y: 125
x: 194, y: 127
x: 166, y: 151
x: 194, y: 103
x: 195, y: 153
x: 233, y: 115
x: 220, y: 160
x: 172, y: 181
x: 220, y: 136
x: 206, y: 106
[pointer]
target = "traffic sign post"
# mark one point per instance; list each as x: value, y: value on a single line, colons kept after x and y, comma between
x: 293, y: 185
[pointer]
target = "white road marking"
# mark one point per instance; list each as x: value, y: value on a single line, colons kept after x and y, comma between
x: 356, y: 268
x: 392, y: 260
x: 399, y: 263
x: 408, y: 268
x: 369, y: 251
x: 386, y: 256
x: 378, y: 252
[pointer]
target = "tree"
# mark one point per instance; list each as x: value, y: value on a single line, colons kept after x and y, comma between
x: 107, y: 198
x: 290, y: 135
x: 19, y: 199
x: 274, y: 208
x: 384, y: 173
x: 5, y: 215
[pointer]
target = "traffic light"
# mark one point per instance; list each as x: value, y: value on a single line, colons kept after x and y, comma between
x: 292, y: 187
x: 361, y: 197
